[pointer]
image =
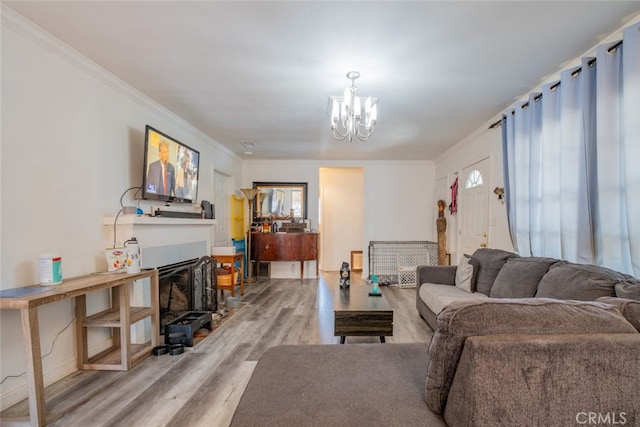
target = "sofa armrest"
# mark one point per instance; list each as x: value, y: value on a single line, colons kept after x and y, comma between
x: 549, y: 380
x: 439, y: 274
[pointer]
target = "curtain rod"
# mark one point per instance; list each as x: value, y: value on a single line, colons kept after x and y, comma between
x: 555, y: 85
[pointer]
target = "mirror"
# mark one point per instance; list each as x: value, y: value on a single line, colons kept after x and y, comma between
x: 280, y: 199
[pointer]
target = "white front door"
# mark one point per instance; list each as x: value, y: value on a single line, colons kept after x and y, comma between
x: 473, y: 206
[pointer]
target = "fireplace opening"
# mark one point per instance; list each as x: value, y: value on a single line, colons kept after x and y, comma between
x: 187, y: 286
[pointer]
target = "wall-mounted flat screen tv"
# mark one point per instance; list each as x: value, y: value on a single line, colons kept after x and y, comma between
x: 170, y: 169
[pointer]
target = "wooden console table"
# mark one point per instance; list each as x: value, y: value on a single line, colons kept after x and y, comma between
x: 285, y: 247
x: 121, y: 356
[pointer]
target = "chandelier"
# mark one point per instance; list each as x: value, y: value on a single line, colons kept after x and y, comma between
x: 348, y: 117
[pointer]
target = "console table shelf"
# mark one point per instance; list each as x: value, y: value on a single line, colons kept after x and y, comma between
x: 110, y: 318
x: 109, y: 360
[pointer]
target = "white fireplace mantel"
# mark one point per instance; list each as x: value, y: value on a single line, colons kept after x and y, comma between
x: 154, y: 220
x: 162, y: 241
x: 155, y: 234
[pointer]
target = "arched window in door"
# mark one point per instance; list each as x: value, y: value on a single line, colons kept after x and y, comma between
x: 474, y: 179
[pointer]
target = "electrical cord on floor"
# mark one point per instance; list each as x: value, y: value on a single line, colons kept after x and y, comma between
x: 45, y: 355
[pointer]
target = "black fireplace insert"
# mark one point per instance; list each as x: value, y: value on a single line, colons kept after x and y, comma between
x: 187, y: 286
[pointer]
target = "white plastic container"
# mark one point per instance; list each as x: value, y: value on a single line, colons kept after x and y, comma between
x: 50, y: 269
x: 133, y: 255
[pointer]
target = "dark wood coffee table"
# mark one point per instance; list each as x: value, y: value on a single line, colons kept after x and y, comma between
x: 358, y: 314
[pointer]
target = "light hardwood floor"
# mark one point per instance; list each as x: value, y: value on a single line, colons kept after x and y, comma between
x: 203, y: 386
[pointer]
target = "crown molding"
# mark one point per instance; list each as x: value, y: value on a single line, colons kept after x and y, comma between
x: 19, y: 24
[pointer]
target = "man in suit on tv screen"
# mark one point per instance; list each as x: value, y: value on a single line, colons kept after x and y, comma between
x: 161, y: 177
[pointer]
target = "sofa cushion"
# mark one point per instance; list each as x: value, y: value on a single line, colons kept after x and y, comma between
x: 464, y: 272
x: 629, y: 308
x: 487, y: 263
x: 628, y: 289
x: 437, y: 296
x: 519, y: 277
x: 566, y: 280
x: 460, y: 320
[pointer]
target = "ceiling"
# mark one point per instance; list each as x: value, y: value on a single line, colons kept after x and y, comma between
x: 263, y: 71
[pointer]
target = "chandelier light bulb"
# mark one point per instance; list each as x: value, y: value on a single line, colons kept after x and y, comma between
x: 335, y: 113
x: 347, y: 98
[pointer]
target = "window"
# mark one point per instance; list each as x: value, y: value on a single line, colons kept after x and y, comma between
x: 474, y: 179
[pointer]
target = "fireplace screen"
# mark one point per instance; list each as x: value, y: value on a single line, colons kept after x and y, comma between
x: 187, y: 286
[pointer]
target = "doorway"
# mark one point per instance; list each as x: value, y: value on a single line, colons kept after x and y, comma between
x: 474, y: 206
x: 341, y: 216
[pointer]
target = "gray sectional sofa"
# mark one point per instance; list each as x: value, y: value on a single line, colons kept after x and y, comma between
x: 531, y: 359
x: 500, y: 362
x: 494, y: 273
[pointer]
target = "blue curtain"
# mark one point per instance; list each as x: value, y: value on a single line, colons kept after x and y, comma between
x: 572, y: 162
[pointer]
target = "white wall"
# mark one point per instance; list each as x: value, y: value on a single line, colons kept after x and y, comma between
x: 72, y: 143
x: 399, y: 198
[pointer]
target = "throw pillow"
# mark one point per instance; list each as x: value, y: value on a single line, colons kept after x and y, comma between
x: 586, y: 282
x: 519, y: 277
x: 628, y: 289
x: 629, y: 308
x: 464, y: 272
x: 488, y: 263
x: 462, y: 319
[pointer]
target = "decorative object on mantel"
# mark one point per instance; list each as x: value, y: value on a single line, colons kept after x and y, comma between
x: 348, y: 119
x: 250, y: 193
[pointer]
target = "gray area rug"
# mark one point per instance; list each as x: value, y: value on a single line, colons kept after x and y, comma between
x: 338, y: 385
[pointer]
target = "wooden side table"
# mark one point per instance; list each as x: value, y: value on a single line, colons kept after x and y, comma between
x: 232, y: 259
x: 122, y: 356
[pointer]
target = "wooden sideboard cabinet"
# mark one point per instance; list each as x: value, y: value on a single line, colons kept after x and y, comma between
x: 285, y: 247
